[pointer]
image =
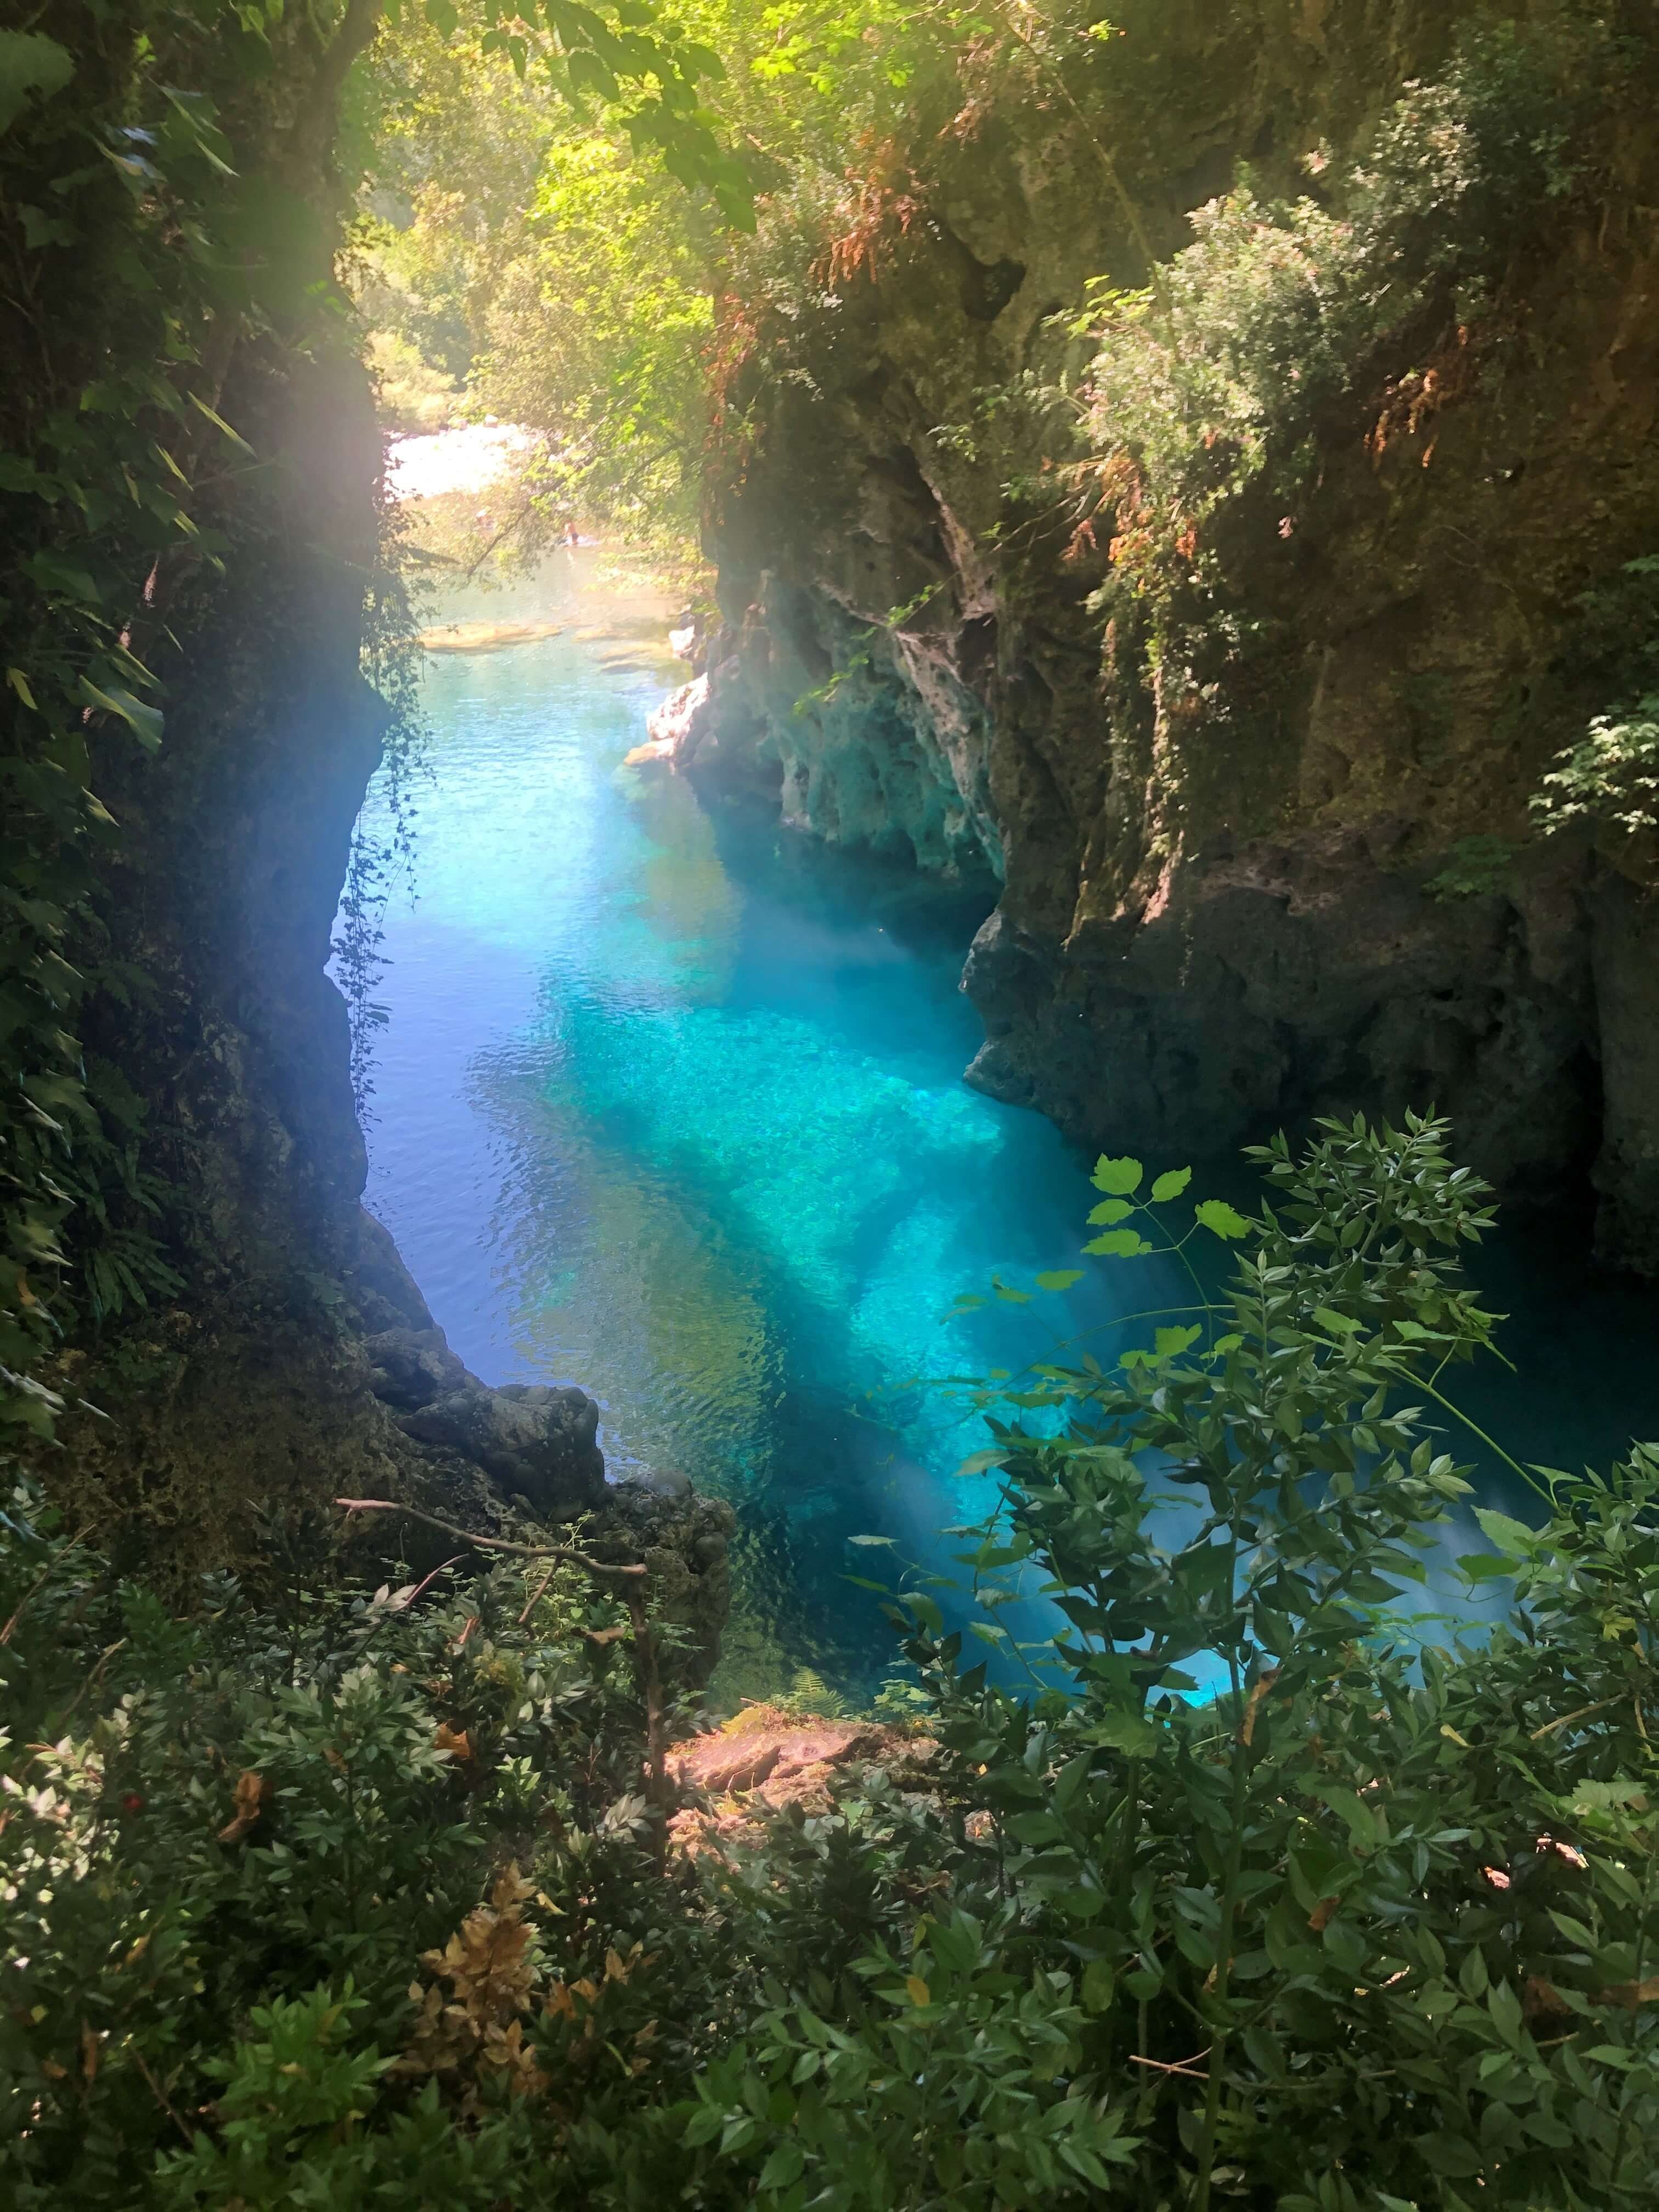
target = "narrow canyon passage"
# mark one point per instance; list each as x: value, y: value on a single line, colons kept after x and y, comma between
x: 669, y: 1105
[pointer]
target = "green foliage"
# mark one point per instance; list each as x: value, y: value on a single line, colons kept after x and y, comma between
x: 1612, y: 774
x: 1223, y: 371
x: 955, y: 2090
x: 1478, y: 867
x: 290, y: 2115
x: 212, y: 1824
x: 519, y: 240
x: 1243, y: 1886
x: 627, y: 55
x: 1337, y: 1895
x: 584, y: 294
x: 108, y: 166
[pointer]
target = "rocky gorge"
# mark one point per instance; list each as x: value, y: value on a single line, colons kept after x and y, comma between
x: 1182, y: 488
x: 1249, y: 786
x: 1260, y: 837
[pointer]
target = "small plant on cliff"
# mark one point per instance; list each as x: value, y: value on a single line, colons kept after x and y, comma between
x: 1611, y: 775
x: 1610, y: 778
x: 1281, y: 311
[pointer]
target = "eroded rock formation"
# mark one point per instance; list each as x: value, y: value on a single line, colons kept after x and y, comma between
x: 1231, y: 887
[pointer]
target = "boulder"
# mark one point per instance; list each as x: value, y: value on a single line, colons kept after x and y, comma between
x: 537, y: 1443
x: 766, y: 1759
x: 410, y: 1367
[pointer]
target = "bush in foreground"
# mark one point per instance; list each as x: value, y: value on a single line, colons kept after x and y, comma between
x: 1245, y: 1890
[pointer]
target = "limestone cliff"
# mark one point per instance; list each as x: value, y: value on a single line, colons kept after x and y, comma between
x: 1232, y: 847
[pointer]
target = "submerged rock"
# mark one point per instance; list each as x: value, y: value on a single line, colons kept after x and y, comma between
x: 485, y: 636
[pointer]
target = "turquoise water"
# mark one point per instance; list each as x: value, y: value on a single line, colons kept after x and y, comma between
x: 669, y: 1105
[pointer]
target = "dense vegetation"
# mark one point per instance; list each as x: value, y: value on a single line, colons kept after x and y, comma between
x: 1240, y: 1890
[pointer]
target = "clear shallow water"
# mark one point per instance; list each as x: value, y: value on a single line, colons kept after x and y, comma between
x: 669, y: 1105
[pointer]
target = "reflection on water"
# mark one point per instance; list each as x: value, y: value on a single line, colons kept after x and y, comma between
x: 670, y: 1106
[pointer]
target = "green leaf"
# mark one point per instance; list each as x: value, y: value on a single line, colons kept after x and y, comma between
x: 786, y: 2163
x: 30, y: 62
x: 1608, y: 1796
x: 1170, y: 1185
x: 1361, y: 1821
x: 1125, y: 1732
x: 1099, y: 1985
x: 977, y: 1462
x: 1220, y: 1218
x: 1513, y: 1538
x: 40, y: 229
x: 1010, y: 1297
x: 1110, y: 1209
x: 1338, y: 1324
x: 1484, y: 1566
x: 589, y: 74
x: 1059, y: 1279
x: 697, y: 60
x: 144, y: 722
x: 1449, y: 2153
x: 1118, y: 1243
x: 1171, y: 1342
x: 219, y: 424
x: 1121, y: 1177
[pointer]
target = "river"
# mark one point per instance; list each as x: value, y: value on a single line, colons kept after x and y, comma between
x: 669, y: 1104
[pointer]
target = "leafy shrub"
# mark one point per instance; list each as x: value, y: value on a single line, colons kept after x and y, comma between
x: 1612, y: 774
x: 1219, y: 373
x: 1247, y: 1887
x: 1354, y: 1919
x: 265, y: 1807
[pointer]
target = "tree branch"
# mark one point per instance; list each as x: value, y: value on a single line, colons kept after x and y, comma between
x: 487, y: 1543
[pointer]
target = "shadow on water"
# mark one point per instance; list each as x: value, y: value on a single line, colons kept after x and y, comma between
x: 670, y: 1106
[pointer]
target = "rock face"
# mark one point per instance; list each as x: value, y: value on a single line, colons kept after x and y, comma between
x: 1234, y: 893
x: 534, y: 1441
x: 685, y: 1541
x: 766, y: 1759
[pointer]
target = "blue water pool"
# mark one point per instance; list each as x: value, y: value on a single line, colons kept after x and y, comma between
x: 670, y: 1105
